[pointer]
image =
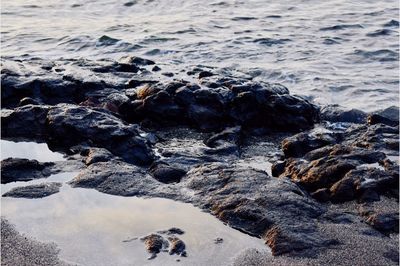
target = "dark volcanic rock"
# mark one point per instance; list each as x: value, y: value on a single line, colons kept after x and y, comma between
x: 334, y: 113
x: 255, y: 203
x: 300, y: 144
x: 165, y: 173
x: 14, y: 169
x: 246, y: 199
x: 68, y: 125
x: 25, y: 122
x: 213, y: 104
x: 378, y: 119
x: 34, y: 191
x: 136, y: 60
x: 347, y: 165
x: 95, y: 155
x: 384, y: 219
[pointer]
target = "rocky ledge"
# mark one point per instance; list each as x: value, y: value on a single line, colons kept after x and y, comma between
x: 208, y: 139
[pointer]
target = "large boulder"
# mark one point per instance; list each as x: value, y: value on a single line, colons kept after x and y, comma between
x: 67, y: 125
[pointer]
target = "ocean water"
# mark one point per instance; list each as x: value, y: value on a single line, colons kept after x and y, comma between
x: 341, y: 51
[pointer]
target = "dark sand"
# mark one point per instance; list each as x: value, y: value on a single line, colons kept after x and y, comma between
x: 17, y: 249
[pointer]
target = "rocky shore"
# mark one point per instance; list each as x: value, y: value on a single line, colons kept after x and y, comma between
x: 317, y: 184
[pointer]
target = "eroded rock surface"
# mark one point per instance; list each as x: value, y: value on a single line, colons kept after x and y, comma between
x: 68, y: 125
x: 127, y: 122
x: 126, y: 87
x: 354, y: 164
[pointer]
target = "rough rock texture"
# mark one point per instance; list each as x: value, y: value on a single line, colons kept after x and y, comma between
x: 34, y: 191
x: 211, y: 103
x: 246, y: 199
x: 154, y: 244
x: 176, y: 246
x: 352, y: 165
x: 14, y: 169
x: 67, y: 125
x: 337, y: 191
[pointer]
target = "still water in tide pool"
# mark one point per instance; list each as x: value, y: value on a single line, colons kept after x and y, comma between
x: 29, y: 150
x: 338, y: 51
x: 89, y: 227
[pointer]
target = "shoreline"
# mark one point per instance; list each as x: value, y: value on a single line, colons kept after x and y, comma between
x: 208, y: 140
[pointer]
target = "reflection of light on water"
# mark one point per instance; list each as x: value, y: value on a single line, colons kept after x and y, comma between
x: 29, y: 150
x: 89, y: 227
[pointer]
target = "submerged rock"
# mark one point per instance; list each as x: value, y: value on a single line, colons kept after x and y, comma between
x: 154, y: 244
x: 172, y: 231
x: 34, y: 191
x: 176, y: 246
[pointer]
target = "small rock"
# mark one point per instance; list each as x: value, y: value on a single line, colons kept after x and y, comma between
x: 172, y: 231
x: 176, y: 246
x: 154, y: 244
x: 34, y: 191
x: 218, y: 240
x: 156, y: 68
x: 205, y: 74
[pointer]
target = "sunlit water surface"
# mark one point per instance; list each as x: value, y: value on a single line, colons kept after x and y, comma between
x: 90, y: 227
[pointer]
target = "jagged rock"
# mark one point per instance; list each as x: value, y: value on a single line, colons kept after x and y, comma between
x: 342, y: 166
x: 68, y: 125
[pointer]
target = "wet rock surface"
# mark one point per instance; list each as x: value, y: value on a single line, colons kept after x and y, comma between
x: 209, y: 103
x: 163, y: 241
x: 209, y: 139
x: 34, y: 191
x: 15, y: 169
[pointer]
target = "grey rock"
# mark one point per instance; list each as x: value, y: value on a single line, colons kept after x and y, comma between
x: 34, y: 191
